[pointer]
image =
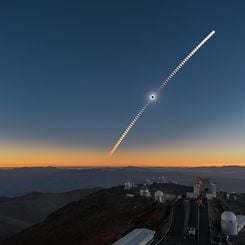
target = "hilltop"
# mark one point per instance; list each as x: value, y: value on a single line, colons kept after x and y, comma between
x: 18, y: 213
x: 101, y: 218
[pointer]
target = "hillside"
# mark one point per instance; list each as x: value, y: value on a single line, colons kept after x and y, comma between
x: 101, y: 218
x: 10, y: 226
x: 21, y: 212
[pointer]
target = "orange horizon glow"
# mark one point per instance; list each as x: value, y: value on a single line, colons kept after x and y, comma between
x: 31, y: 157
x: 167, y: 165
x: 16, y: 154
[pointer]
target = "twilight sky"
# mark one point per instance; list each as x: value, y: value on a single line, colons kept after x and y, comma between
x: 74, y: 73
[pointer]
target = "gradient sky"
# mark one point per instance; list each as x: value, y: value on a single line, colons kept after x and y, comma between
x: 74, y: 73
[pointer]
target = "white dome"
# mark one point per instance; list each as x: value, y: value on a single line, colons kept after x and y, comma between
x: 158, y: 193
x: 228, y: 216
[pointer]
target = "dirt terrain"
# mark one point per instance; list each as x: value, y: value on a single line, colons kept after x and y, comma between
x: 101, y: 218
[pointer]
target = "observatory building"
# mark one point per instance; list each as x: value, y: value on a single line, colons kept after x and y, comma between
x: 161, y: 180
x: 205, y: 187
x: 229, y: 223
x: 140, y: 236
x: 240, y: 222
x: 144, y: 192
x: 159, y: 196
x: 128, y: 185
x: 148, y: 182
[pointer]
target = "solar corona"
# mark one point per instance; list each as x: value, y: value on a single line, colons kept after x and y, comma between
x: 153, y: 96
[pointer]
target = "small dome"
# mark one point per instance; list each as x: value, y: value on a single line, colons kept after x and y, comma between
x: 228, y: 216
x: 158, y: 193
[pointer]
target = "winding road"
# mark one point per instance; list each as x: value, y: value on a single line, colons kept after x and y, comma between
x: 196, y: 217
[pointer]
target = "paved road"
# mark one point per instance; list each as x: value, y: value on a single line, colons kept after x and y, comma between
x: 176, y: 232
x: 204, y: 231
x: 193, y: 222
x: 193, y: 214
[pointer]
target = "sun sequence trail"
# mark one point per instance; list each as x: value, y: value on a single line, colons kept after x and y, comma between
x: 153, y: 97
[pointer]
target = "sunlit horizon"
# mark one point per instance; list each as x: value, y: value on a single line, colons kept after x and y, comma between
x: 166, y: 156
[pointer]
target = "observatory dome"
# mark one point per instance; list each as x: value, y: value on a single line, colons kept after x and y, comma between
x: 228, y: 216
x: 229, y: 223
x: 158, y: 193
x: 159, y: 196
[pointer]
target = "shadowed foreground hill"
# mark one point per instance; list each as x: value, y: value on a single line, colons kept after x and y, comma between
x: 10, y: 226
x: 99, y: 219
x: 21, y: 212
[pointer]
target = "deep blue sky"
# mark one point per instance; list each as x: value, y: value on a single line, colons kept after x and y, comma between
x: 74, y: 73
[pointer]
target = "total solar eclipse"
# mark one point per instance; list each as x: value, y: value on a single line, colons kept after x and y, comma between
x: 152, y: 97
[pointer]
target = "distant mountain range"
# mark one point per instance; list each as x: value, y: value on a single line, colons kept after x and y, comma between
x: 21, y: 212
x: 20, y: 181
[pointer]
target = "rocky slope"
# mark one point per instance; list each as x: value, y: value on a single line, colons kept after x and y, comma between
x: 101, y: 218
x: 21, y: 212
